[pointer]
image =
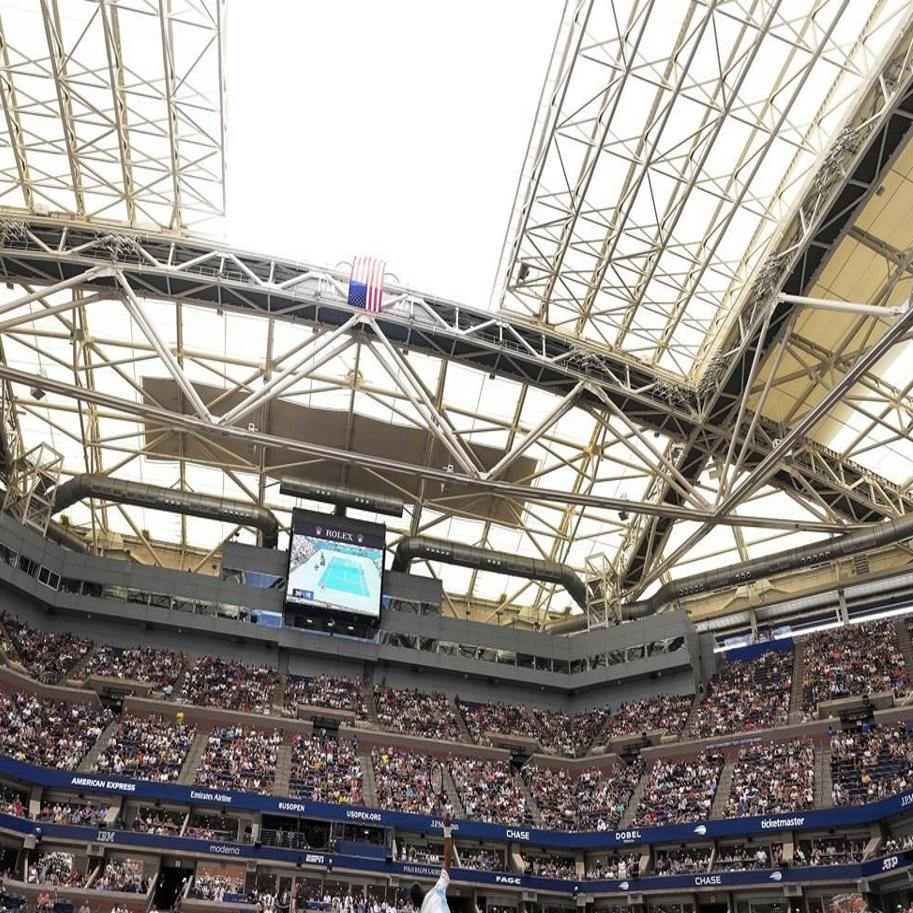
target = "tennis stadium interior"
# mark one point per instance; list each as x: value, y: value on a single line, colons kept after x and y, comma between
x: 613, y: 564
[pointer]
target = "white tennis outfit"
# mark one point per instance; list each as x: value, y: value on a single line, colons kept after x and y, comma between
x: 436, y: 899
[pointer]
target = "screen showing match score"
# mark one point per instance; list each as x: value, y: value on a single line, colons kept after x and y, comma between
x: 335, y: 563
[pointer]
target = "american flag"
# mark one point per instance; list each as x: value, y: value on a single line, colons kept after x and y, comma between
x: 366, y: 284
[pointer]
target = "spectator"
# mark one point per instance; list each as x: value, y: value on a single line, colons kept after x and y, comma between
x: 613, y: 866
x: 123, y: 875
x: 488, y: 791
x: 683, y: 860
x: 659, y: 713
x: 828, y: 851
x: 743, y: 857
x: 55, y: 868
x: 401, y: 781
x: 161, y: 821
x: 680, y: 791
x: 593, y: 800
x: 563, y: 867
x: 45, y: 656
x: 416, y: 712
x: 48, y: 732
x: 854, y: 659
x: 239, y: 758
x: 215, y: 885
x: 870, y: 763
x: 81, y: 815
x: 773, y: 777
x: 147, y: 748
x: 326, y: 769
x: 744, y: 695
x: 158, y: 668
x: 213, y: 682
x: 334, y: 691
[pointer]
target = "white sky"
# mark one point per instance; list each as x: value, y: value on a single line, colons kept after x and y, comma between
x: 395, y: 129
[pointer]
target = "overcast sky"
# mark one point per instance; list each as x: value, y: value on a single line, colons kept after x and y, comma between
x: 395, y: 129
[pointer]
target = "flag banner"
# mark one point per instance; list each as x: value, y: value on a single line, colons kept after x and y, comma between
x: 366, y: 284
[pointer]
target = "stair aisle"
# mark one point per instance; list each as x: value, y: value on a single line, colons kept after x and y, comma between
x: 278, y: 698
x: 631, y: 808
x: 905, y: 643
x: 368, y: 783
x: 192, y: 761
x: 692, y: 714
x: 795, y: 697
x: 465, y: 737
x: 531, y: 803
x: 88, y: 762
x: 283, y: 770
x: 824, y: 797
x: 78, y: 672
x: 368, y: 691
x: 723, y: 789
x: 453, y: 794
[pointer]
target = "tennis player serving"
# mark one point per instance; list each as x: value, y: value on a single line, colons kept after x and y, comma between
x: 435, y: 901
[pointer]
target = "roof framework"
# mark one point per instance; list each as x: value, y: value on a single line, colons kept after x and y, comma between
x: 644, y: 405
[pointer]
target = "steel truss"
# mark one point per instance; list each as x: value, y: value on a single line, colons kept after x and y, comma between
x: 113, y: 111
x: 636, y: 419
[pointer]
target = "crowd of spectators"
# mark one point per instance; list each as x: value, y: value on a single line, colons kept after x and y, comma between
x: 898, y: 843
x: 550, y: 866
x: 854, y: 659
x: 507, y: 719
x: 161, y: 821
x: 55, y: 868
x: 481, y: 859
x: 659, y: 713
x: 401, y: 781
x: 123, y: 875
x: 773, y: 777
x: 870, y: 763
x: 215, y: 885
x: 334, y: 691
x: 828, y: 851
x: 427, y: 714
x: 680, y: 791
x: 12, y: 802
x: 158, y: 668
x: 592, y: 800
x: 682, y: 860
x: 613, y: 866
x: 147, y: 748
x: 46, y: 656
x: 87, y: 814
x: 240, y: 758
x: 747, y: 694
x: 326, y: 769
x: 232, y: 685
x: 553, y: 730
x: 215, y: 827
x: 743, y: 857
x: 48, y: 732
x: 488, y: 791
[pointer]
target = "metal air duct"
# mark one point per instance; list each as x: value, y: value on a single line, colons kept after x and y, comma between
x: 341, y: 496
x: 92, y: 485
x: 494, y: 562
x: 791, y: 559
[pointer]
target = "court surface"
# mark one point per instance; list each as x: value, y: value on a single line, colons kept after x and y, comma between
x: 345, y: 577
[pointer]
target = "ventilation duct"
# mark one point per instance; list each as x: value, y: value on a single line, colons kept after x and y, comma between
x: 139, y: 494
x: 791, y: 559
x: 341, y: 496
x: 481, y: 559
x: 60, y: 534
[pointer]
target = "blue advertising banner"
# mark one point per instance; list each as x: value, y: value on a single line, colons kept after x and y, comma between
x: 326, y: 861
x: 201, y: 796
